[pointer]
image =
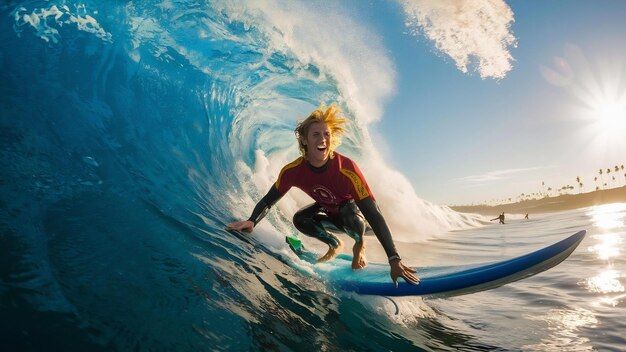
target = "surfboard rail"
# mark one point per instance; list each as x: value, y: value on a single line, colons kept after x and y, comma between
x: 465, y: 279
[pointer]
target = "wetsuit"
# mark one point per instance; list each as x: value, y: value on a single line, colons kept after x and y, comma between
x: 342, y: 198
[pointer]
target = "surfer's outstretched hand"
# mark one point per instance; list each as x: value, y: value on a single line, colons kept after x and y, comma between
x: 244, y: 226
x: 400, y: 270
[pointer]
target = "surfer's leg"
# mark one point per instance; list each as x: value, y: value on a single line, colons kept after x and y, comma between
x: 353, y: 223
x: 308, y: 220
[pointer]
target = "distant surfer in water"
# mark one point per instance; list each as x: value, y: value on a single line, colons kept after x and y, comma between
x: 499, y: 217
x: 343, y: 199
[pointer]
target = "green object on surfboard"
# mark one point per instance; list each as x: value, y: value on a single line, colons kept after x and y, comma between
x: 295, y: 244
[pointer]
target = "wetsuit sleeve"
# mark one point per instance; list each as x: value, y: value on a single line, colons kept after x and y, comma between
x: 375, y: 218
x: 359, y: 188
x: 263, y: 206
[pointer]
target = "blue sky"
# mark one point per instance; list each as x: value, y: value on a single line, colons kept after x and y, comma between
x: 460, y: 138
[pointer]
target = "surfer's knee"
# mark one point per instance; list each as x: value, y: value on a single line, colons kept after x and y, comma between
x: 307, y: 216
x: 308, y: 225
x: 353, y: 221
x: 303, y: 219
x: 299, y: 221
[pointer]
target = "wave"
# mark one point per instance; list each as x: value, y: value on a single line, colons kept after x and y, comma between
x: 130, y: 133
x: 209, y: 97
x: 191, y: 109
x: 352, y: 70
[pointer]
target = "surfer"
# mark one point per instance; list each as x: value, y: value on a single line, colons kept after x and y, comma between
x: 343, y: 199
x: 499, y: 217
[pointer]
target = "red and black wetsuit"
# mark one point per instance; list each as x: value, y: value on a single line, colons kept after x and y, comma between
x: 336, y: 188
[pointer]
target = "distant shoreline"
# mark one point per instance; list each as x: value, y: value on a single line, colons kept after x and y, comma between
x: 549, y: 204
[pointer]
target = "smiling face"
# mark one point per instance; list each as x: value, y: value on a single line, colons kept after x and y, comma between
x: 318, y: 143
x: 320, y: 134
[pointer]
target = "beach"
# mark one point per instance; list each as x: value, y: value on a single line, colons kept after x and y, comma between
x: 549, y: 204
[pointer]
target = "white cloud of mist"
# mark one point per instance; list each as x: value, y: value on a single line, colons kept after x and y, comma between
x: 410, y: 217
x: 473, y: 33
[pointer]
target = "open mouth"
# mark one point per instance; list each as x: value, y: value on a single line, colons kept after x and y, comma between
x: 321, y: 147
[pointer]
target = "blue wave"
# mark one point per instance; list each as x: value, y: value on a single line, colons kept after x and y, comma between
x: 130, y: 133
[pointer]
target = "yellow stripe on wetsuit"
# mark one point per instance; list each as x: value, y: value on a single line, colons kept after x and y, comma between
x: 357, y: 182
x: 291, y: 165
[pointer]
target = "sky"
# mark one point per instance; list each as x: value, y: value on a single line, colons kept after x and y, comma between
x: 530, y: 96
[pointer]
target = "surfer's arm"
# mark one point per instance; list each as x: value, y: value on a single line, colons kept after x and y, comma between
x: 375, y: 218
x: 263, y: 206
x: 260, y: 210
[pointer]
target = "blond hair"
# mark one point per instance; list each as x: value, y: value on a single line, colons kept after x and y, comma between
x: 332, y: 117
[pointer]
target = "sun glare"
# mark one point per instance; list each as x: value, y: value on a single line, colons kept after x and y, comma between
x: 611, y: 117
x: 600, y: 98
x: 604, y: 116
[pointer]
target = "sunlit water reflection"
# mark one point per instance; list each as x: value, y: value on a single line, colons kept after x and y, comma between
x: 609, y: 221
x: 579, y: 305
x: 564, y: 330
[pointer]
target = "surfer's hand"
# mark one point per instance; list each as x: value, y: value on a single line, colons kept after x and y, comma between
x: 400, y: 270
x: 244, y: 226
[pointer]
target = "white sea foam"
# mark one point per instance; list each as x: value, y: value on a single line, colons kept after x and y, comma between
x: 44, y: 21
x: 468, y: 31
x: 324, y: 34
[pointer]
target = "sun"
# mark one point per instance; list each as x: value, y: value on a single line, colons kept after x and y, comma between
x: 595, y: 107
x: 610, y: 117
x: 601, y: 107
x: 605, y: 125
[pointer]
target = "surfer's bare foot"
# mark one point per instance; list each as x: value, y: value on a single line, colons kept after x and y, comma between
x: 358, y: 259
x: 332, y: 252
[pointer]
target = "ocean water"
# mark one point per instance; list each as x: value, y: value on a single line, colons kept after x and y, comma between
x: 131, y: 133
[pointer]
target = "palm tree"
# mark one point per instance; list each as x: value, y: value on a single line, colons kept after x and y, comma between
x: 580, y: 185
x: 608, y: 171
x: 601, y: 179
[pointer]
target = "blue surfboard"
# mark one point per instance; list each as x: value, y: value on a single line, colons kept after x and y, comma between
x: 443, y: 281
